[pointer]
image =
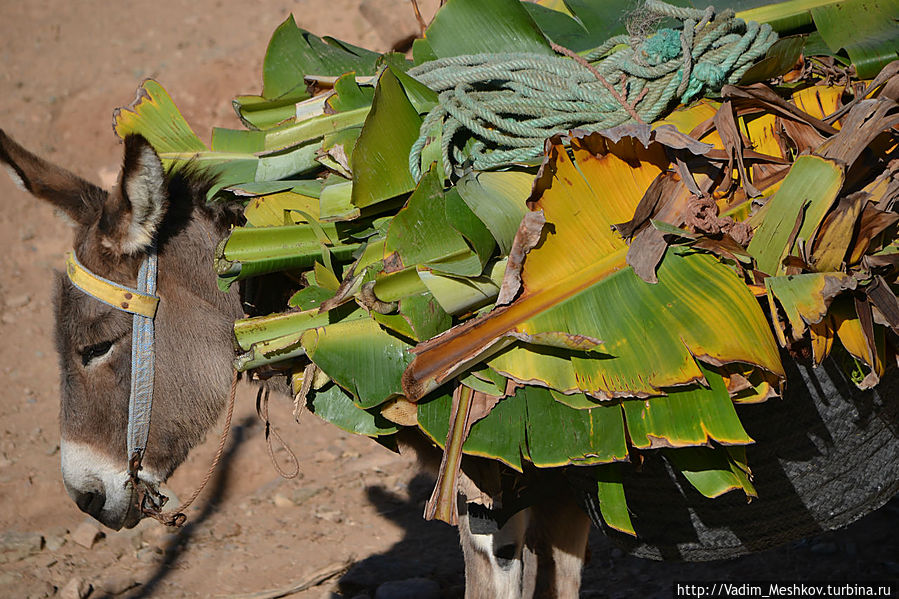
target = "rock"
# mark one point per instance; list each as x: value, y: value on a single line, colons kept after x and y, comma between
x: 411, y: 588
x: 281, y: 500
x: 39, y: 589
x: 149, y: 555
x: 5, y: 461
x: 329, y: 515
x: 76, y: 588
x: 15, y: 546
x: 294, y: 497
x: 225, y: 530
x: 304, y: 494
x: 323, y: 455
x: 117, y: 583
x: 18, y: 301
x: 87, y: 533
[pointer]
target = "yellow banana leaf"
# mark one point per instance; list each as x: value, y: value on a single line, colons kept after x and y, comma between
x: 588, y: 323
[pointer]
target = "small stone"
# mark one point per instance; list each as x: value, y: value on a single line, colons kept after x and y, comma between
x: 616, y: 553
x: 76, y: 588
x: 54, y: 542
x: 330, y: 515
x: 304, y: 494
x: 18, y: 301
x: 148, y: 555
x: 117, y: 583
x: 15, y: 546
x: 281, y: 500
x: 87, y: 533
x: 225, y: 530
x: 411, y: 588
x: 324, y: 456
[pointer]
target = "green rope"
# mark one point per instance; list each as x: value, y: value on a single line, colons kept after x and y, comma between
x: 496, y: 110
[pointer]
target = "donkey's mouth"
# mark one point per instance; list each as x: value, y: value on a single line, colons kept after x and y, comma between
x: 103, y: 489
x: 124, y: 513
x: 134, y: 514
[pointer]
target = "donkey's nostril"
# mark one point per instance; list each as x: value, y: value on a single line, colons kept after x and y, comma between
x: 91, y: 503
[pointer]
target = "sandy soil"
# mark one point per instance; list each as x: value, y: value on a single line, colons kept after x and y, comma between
x: 65, y: 66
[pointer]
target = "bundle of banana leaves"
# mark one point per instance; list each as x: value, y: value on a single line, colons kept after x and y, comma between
x: 616, y: 291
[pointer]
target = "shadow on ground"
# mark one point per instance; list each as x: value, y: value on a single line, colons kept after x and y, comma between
x: 864, y: 551
x: 181, y: 541
x: 427, y: 550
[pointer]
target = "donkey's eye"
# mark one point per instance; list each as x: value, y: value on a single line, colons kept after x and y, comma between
x: 92, y: 352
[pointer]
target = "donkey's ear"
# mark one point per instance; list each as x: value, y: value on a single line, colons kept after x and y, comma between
x: 70, y: 193
x: 134, y: 211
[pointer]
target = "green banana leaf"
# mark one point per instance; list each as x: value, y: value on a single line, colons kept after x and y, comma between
x: 582, y: 306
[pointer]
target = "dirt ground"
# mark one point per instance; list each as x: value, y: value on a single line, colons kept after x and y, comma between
x: 64, y: 66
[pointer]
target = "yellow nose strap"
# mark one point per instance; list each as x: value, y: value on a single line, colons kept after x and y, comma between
x: 113, y: 294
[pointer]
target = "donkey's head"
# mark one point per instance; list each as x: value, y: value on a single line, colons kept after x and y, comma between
x: 115, y: 231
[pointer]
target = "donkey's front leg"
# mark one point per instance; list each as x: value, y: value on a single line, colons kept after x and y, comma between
x: 493, y: 557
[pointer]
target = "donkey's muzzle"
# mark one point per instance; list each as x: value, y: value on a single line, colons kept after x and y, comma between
x: 99, y: 486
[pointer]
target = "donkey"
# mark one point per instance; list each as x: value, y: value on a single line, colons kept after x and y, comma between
x: 537, y: 552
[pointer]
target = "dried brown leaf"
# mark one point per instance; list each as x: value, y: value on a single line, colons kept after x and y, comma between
x: 867, y: 120
x: 760, y: 95
x: 645, y: 252
x: 885, y: 303
x: 528, y: 235
x: 726, y: 124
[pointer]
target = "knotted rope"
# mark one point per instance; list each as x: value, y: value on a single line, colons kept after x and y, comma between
x: 152, y: 501
x: 507, y: 104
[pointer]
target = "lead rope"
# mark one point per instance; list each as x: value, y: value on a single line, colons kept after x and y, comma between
x: 149, y: 500
x: 271, y: 431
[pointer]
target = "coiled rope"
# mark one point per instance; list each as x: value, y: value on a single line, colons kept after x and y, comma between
x: 496, y: 110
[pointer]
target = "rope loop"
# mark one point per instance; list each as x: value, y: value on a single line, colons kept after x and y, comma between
x: 496, y: 110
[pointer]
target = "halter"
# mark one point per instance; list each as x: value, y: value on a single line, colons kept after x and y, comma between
x: 142, y: 303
